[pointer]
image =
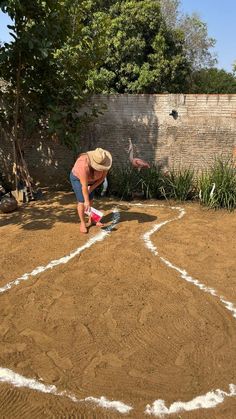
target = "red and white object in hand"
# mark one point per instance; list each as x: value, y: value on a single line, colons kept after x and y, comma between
x: 95, y: 214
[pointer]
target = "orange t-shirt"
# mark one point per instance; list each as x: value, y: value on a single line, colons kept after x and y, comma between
x: 82, y: 170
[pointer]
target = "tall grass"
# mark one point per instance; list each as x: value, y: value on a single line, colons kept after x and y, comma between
x: 151, y: 181
x: 217, y: 186
x: 123, y: 181
x: 179, y: 184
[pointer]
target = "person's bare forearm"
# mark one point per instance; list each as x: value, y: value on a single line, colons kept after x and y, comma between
x: 96, y: 184
x: 85, y: 193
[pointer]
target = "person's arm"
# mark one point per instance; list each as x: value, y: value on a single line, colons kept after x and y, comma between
x: 85, y: 191
x: 99, y: 181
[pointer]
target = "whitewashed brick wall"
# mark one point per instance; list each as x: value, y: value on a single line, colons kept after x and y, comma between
x: 205, y: 127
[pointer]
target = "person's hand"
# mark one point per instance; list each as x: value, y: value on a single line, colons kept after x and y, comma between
x: 87, y: 207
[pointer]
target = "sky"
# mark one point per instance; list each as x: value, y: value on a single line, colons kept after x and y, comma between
x: 220, y: 16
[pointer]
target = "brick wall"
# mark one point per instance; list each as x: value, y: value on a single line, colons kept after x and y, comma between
x: 49, y: 163
x: 204, y: 128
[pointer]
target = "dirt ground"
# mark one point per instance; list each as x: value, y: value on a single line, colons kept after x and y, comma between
x: 116, y: 321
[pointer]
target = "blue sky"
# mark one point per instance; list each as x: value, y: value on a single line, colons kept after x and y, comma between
x: 220, y: 16
x: 4, y: 31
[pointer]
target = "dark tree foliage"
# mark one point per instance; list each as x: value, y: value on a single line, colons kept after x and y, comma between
x: 213, y: 80
x: 143, y: 54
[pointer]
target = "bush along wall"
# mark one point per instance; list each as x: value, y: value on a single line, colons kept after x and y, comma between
x: 215, y: 187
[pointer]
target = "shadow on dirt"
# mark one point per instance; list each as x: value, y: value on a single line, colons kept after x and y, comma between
x: 60, y: 207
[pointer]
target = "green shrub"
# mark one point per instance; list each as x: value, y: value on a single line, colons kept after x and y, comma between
x: 178, y: 184
x: 123, y: 181
x: 151, y: 181
x: 217, y: 186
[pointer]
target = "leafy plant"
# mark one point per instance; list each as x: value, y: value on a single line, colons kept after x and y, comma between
x: 217, y: 186
x: 126, y: 182
x: 178, y: 184
x: 144, y: 55
x: 45, y: 66
x: 151, y: 180
x: 123, y: 181
x: 213, y: 80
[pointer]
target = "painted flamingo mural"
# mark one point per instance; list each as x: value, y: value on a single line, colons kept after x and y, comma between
x: 135, y: 161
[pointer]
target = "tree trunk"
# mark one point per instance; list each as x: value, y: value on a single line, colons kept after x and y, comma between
x: 20, y: 168
x: 15, y: 130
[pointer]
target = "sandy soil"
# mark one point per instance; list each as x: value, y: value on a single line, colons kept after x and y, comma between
x: 115, y: 321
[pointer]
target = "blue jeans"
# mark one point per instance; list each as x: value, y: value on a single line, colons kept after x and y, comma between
x: 77, y: 188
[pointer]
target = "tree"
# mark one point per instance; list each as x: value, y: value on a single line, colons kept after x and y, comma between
x: 46, y: 66
x: 234, y: 67
x: 213, y: 80
x: 170, y: 12
x: 198, y: 45
x: 143, y: 55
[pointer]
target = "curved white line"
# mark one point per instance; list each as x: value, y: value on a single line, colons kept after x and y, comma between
x: 158, y: 408
x: 206, y: 401
x: 212, y: 398
x: 17, y: 380
x: 65, y: 259
x: 183, y: 273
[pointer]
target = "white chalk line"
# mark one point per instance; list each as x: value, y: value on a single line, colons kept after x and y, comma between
x: 65, y: 259
x: 206, y: 401
x: 214, y: 397
x: 17, y: 380
x: 183, y: 273
x: 158, y: 408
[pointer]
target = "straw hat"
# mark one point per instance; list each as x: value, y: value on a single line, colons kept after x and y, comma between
x: 100, y: 159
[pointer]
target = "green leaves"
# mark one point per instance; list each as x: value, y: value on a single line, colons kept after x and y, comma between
x: 152, y: 183
x: 179, y: 184
x: 197, y: 44
x: 143, y: 55
x: 218, y: 185
x: 215, y: 187
x: 213, y: 80
x: 55, y: 46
